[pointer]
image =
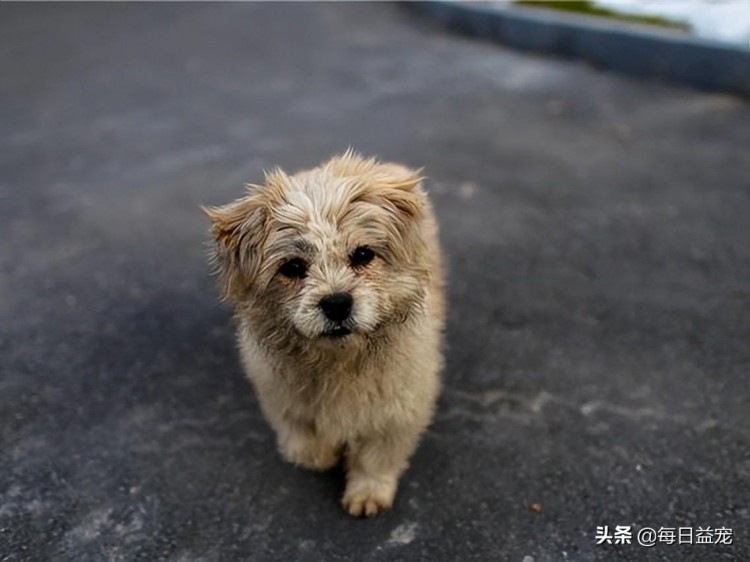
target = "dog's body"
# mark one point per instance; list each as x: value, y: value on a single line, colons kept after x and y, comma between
x: 336, y: 280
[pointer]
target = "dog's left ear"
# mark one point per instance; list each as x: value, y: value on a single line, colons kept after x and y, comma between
x: 239, y: 232
x: 402, y: 188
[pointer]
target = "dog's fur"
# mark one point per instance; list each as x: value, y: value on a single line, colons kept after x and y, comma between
x: 368, y: 395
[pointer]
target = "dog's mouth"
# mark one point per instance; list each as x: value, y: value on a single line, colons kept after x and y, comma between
x: 337, y: 332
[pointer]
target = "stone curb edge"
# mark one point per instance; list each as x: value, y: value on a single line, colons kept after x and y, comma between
x: 620, y: 47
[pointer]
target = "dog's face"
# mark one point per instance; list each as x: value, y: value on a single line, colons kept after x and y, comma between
x: 328, y: 254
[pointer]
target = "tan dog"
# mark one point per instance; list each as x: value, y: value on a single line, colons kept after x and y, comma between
x: 336, y: 282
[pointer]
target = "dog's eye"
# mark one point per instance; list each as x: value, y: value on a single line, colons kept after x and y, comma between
x: 362, y: 256
x: 294, y: 269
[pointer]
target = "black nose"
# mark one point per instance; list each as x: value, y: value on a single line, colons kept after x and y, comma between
x: 337, y: 307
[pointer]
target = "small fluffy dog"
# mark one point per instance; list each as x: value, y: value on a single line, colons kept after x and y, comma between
x: 336, y: 282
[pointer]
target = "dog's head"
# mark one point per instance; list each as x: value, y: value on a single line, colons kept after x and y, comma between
x: 326, y: 253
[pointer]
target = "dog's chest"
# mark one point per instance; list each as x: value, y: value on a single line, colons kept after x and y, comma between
x: 346, y: 402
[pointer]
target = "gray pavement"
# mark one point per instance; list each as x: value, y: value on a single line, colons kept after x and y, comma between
x: 597, y: 231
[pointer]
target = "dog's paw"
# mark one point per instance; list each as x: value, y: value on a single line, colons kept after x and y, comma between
x: 368, y: 497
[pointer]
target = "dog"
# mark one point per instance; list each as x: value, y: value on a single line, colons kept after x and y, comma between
x: 336, y: 281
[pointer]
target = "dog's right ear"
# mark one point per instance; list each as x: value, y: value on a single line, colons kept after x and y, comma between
x: 239, y: 232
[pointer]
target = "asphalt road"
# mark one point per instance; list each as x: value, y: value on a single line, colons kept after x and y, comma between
x: 597, y: 230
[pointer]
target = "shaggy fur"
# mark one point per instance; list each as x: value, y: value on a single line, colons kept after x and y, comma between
x: 363, y: 388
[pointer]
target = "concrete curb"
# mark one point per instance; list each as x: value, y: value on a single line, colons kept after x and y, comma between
x: 620, y: 47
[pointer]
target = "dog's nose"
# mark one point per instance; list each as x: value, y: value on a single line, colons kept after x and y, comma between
x: 337, y: 307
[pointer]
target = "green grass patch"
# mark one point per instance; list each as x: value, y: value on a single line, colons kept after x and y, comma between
x: 588, y: 8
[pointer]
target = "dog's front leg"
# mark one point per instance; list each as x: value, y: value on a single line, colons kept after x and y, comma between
x: 300, y: 444
x: 374, y: 464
